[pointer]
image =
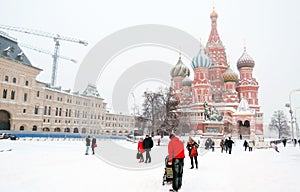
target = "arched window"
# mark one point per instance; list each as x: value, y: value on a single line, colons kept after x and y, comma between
x: 14, y: 80
x: 34, y: 128
x: 36, y: 109
x: 46, y: 129
x: 49, y: 111
x: 75, y: 130
x: 12, y: 95
x: 45, y: 110
x: 22, y: 128
x: 83, y: 130
x: 4, y: 95
x: 57, y: 129
x: 26, y: 83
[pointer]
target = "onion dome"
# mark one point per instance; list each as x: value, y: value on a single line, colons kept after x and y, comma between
x: 213, y: 14
x: 245, y: 61
x: 180, y: 69
x: 230, y: 76
x: 201, y: 60
x: 187, y: 81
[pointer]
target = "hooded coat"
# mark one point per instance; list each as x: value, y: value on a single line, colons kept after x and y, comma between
x: 176, y: 149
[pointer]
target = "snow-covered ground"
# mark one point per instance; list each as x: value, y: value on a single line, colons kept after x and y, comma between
x: 61, y: 166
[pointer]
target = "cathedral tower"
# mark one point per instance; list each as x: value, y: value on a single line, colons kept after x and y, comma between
x: 216, y: 52
x: 178, y: 73
x: 201, y: 89
x: 247, y: 86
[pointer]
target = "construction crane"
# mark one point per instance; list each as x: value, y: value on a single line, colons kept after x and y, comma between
x: 46, y: 52
x: 57, y: 38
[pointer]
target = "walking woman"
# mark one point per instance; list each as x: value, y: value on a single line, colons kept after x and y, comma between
x: 141, y: 150
x: 192, y: 147
x: 93, y: 145
x: 222, y: 144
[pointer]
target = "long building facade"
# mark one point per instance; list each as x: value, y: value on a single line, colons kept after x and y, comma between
x: 217, y: 100
x: 29, y: 105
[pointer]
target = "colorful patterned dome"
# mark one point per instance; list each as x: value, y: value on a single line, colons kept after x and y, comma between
x: 180, y: 69
x: 187, y: 81
x: 245, y: 61
x: 201, y: 60
x: 229, y: 75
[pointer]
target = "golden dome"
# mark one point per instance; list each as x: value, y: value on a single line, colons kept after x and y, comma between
x: 213, y: 14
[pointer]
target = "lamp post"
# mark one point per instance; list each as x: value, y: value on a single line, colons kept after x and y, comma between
x: 296, y: 122
x: 291, y: 109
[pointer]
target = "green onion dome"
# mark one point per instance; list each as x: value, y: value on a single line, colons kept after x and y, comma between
x: 180, y: 69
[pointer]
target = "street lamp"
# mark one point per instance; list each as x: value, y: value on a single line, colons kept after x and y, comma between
x: 297, y: 128
x: 291, y: 109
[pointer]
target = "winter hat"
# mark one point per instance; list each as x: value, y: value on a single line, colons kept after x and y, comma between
x: 172, y: 136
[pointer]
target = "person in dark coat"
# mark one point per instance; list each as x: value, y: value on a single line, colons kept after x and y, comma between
x: 284, y: 142
x: 176, y: 156
x: 245, y: 145
x: 192, y: 147
x: 212, y: 145
x: 148, y: 144
x: 93, y: 145
x: 87, y: 144
x: 226, y: 145
x: 222, y: 145
x: 229, y: 144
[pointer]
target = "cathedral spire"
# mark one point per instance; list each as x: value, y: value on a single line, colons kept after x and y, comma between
x: 214, y: 36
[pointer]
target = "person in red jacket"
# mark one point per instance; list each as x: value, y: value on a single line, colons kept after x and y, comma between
x: 141, y: 150
x: 176, y: 155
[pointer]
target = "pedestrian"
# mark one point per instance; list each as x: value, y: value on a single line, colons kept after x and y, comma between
x: 87, y: 144
x: 299, y: 142
x: 241, y: 137
x: 226, y: 145
x: 229, y: 144
x: 250, y: 146
x: 158, y: 142
x: 212, y: 145
x: 284, y: 142
x: 245, y: 145
x: 141, y: 150
x: 222, y: 144
x: 295, y: 142
x: 94, y: 145
x: 275, y: 147
x: 148, y: 144
x: 176, y: 156
x: 192, y: 147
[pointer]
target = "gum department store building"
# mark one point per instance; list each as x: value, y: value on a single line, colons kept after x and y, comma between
x: 29, y: 105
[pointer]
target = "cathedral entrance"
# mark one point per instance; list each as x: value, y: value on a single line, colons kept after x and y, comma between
x: 4, y: 120
x: 244, y: 128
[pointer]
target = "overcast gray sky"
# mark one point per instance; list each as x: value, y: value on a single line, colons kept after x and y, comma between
x: 271, y: 29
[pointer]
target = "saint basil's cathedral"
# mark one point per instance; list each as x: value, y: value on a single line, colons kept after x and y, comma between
x: 217, y: 100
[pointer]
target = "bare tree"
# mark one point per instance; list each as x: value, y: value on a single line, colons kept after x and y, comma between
x: 171, y: 120
x: 279, y: 123
x: 160, y: 109
x: 152, y: 109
